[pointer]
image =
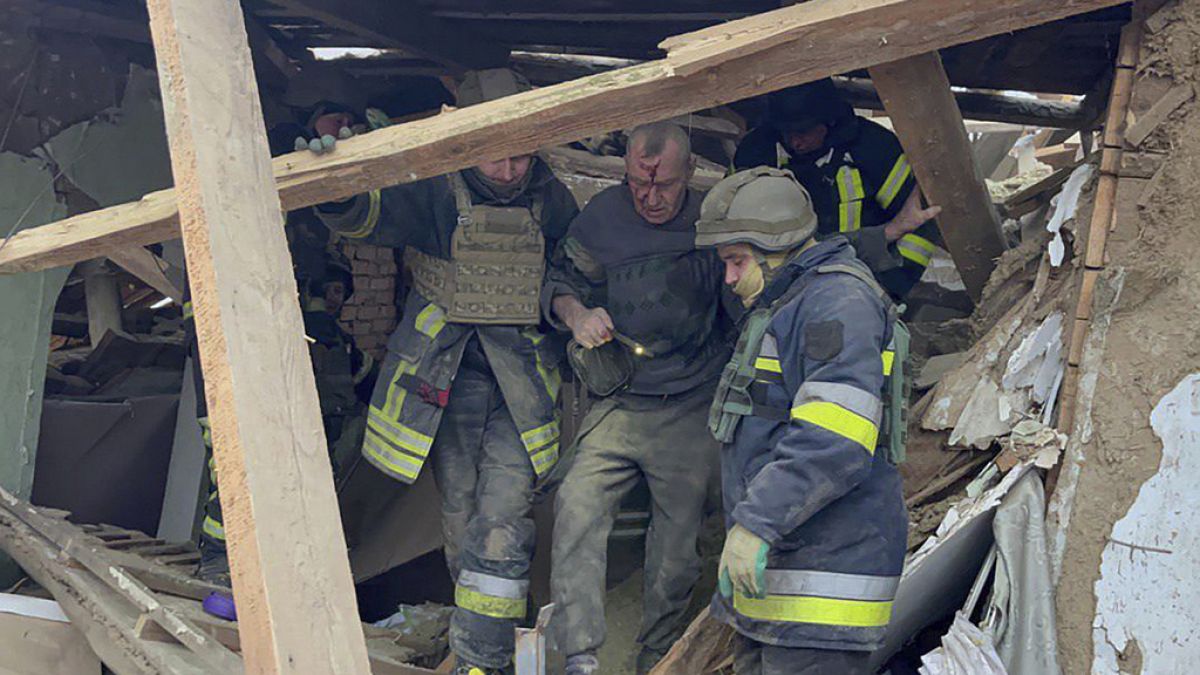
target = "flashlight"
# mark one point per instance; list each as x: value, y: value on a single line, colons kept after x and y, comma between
x: 633, y: 345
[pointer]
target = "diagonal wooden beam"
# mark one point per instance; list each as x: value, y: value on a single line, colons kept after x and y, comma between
x: 291, y: 576
x: 916, y: 94
x: 791, y: 46
x: 403, y: 25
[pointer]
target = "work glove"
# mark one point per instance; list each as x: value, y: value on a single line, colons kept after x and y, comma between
x: 327, y: 129
x: 743, y: 564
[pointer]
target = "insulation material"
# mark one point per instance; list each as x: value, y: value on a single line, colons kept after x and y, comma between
x: 1025, y: 388
x: 27, y: 304
x: 1066, y: 203
x: 1146, y: 597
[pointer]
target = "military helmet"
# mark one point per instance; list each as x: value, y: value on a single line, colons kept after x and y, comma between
x: 479, y: 86
x: 764, y: 207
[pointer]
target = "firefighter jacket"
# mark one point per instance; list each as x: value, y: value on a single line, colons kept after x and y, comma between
x: 658, y: 288
x: 806, y: 471
x: 460, y: 293
x: 858, y: 181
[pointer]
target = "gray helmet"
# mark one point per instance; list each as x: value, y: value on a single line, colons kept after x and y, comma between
x: 479, y: 86
x: 764, y: 207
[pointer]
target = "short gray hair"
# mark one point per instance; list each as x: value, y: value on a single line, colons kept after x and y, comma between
x: 654, y: 136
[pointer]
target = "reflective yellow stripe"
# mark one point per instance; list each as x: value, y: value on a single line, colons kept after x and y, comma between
x: 213, y: 529
x: 915, y: 248
x: 850, y: 196
x: 399, y: 435
x: 551, y: 378
x: 888, y: 357
x: 539, y: 437
x: 806, y: 609
x: 544, y: 459
x: 499, y: 608
x: 895, y: 180
x: 374, y: 206
x: 187, y: 310
x: 396, y: 393
x: 769, y: 364
x: 835, y: 418
x: 430, y: 320
x: 388, y: 460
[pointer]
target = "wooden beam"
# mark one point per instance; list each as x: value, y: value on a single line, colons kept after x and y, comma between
x: 978, y: 105
x: 149, y: 268
x: 403, y: 25
x: 917, y: 96
x: 291, y: 575
x: 802, y: 43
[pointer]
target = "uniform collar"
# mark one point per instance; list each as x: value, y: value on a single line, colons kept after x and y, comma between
x: 809, y: 259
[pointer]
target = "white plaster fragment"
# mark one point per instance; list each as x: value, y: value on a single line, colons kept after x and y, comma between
x: 1147, y: 591
x: 1066, y: 203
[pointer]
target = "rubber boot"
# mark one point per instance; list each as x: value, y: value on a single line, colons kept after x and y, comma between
x: 582, y: 664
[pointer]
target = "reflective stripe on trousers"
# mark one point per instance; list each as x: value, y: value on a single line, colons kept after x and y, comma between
x: 826, y: 598
x: 490, y: 595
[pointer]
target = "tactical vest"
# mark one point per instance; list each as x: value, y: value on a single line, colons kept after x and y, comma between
x: 755, y: 363
x: 497, y: 259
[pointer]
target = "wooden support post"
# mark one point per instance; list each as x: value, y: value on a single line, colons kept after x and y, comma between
x: 291, y: 575
x: 102, y: 296
x: 917, y: 96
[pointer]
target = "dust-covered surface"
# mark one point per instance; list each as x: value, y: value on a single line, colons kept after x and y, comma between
x: 1153, y: 341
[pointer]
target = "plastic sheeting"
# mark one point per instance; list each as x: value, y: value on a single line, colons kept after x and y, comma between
x: 965, y: 650
x: 1020, y: 614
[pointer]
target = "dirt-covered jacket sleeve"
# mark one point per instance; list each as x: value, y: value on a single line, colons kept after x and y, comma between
x: 830, y: 343
x: 572, y: 271
x: 381, y: 217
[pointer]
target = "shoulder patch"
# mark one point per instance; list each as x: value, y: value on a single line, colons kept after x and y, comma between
x: 823, y: 339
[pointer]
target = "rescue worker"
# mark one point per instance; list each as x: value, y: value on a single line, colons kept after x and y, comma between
x: 343, y: 375
x: 857, y: 174
x: 641, y: 302
x: 470, y: 380
x: 816, y: 521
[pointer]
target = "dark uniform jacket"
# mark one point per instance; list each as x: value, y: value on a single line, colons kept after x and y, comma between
x: 659, y: 289
x: 858, y: 182
x: 426, y: 350
x: 811, y: 481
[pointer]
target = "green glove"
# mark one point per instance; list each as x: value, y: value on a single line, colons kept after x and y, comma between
x: 743, y: 564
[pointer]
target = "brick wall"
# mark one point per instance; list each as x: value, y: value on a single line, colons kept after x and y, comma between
x: 370, y: 314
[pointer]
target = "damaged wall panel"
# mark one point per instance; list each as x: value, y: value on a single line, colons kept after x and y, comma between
x: 1146, y: 598
x: 26, y: 303
x: 1150, y: 348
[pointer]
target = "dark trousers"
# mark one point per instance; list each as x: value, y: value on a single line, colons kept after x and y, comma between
x: 755, y: 658
x: 624, y: 437
x: 486, y: 480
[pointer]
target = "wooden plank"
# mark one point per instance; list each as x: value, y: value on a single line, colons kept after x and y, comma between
x: 818, y: 45
x: 916, y: 93
x: 978, y: 105
x: 1139, y: 131
x: 149, y: 268
x: 404, y: 25
x: 287, y: 553
x: 36, y: 646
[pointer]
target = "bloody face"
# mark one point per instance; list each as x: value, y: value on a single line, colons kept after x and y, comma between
x: 658, y: 183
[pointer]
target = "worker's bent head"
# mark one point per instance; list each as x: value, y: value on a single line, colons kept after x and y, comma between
x: 658, y: 166
x: 755, y: 217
